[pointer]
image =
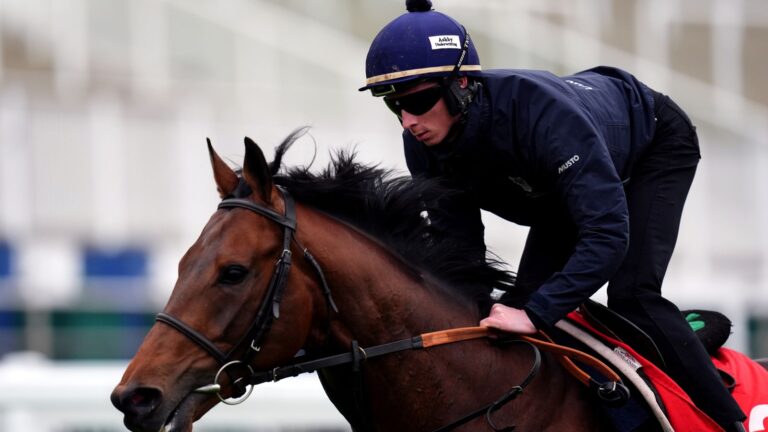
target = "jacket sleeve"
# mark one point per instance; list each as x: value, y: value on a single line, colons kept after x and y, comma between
x: 455, y: 215
x: 567, y: 149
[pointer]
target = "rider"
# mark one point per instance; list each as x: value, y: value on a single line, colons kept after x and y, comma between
x: 576, y: 158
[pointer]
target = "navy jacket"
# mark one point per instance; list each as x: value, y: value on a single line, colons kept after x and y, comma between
x: 533, y: 142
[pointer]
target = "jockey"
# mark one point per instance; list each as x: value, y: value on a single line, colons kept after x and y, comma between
x: 597, y: 164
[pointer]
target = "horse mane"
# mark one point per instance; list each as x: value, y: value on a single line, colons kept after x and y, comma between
x: 390, y: 208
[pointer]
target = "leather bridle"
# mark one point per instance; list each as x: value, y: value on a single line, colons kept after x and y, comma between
x: 269, y: 310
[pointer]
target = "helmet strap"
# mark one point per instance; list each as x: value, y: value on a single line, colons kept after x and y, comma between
x: 462, y: 55
x: 456, y: 98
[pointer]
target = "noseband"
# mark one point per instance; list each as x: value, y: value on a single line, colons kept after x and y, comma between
x: 269, y: 310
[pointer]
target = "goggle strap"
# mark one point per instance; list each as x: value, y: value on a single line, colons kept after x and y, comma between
x: 383, y: 90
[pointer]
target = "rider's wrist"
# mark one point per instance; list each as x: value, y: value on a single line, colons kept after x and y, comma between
x: 535, y: 319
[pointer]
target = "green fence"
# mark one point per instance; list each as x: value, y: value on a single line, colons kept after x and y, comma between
x: 74, y: 334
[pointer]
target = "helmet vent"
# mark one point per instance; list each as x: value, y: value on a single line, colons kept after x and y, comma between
x: 418, y: 5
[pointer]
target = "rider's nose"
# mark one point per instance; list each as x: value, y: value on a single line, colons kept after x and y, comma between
x: 407, y: 119
x: 136, y: 401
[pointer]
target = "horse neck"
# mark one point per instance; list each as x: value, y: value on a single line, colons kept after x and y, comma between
x: 380, y: 298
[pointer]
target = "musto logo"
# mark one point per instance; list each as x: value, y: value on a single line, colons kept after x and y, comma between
x: 757, y: 418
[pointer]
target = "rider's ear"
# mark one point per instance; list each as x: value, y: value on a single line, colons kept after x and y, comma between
x: 256, y: 171
x: 226, y: 179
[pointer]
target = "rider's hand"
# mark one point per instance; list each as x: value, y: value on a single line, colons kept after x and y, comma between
x: 509, y: 319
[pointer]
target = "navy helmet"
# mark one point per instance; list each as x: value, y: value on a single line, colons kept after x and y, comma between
x: 418, y: 45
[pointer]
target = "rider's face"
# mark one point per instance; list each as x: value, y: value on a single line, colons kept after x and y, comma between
x: 429, y: 125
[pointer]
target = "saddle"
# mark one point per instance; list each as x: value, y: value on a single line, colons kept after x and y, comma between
x: 612, y: 324
x: 645, y: 375
x: 712, y: 328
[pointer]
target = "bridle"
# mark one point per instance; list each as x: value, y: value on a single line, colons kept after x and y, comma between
x: 269, y: 310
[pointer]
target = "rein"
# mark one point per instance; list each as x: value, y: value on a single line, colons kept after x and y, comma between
x: 611, y: 391
x: 270, y: 310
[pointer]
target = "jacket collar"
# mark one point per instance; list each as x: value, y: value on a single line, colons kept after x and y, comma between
x: 468, y: 135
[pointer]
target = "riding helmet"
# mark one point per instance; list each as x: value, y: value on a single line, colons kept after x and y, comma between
x: 417, y: 45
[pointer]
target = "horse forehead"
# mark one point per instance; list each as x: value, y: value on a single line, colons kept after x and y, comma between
x: 237, y: 229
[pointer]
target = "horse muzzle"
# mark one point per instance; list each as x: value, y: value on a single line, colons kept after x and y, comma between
x: 140, y: 406
x: 146, y: 409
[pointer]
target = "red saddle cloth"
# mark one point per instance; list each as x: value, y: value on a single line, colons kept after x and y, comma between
x: 751, y: 390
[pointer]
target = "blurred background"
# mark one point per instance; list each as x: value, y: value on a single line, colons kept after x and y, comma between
x: 104, y: 175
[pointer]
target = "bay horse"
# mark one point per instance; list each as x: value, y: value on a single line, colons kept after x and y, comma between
x: 356, y: 268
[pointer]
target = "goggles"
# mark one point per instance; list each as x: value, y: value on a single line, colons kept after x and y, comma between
x: 416, y: 103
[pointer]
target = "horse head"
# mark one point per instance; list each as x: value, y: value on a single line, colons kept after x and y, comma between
x: 206, y: 340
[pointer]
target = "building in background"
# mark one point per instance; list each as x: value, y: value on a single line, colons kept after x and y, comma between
x: 105, y: 106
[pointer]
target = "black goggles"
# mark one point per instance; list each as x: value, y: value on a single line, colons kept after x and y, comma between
x: 415, y: 103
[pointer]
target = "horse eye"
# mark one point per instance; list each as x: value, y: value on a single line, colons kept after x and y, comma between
x: 232, y: 275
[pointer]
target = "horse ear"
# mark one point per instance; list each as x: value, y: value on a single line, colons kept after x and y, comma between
x: 256, y: 171
x: 226, y: 179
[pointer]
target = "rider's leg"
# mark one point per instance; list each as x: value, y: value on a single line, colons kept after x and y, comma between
x: 655, y: 196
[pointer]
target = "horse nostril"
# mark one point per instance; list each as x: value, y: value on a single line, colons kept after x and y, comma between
x: 138, y: 401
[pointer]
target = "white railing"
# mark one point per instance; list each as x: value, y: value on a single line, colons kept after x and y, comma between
x: 43, y: 396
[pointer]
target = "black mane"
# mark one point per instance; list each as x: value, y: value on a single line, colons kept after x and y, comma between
x: 390, y: 208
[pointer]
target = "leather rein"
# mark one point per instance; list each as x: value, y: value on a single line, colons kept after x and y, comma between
x: 270, y: 310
